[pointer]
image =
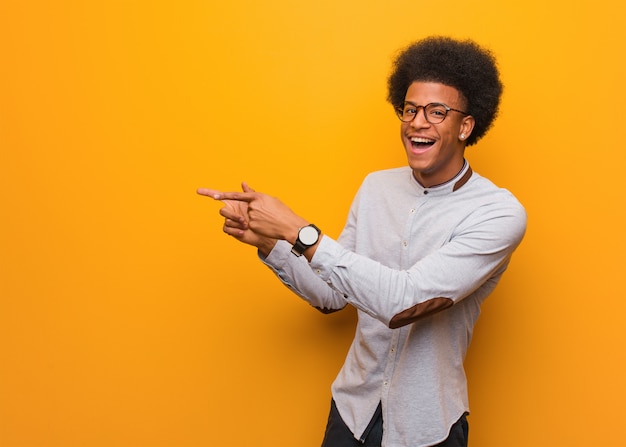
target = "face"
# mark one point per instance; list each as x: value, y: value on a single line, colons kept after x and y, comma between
x: 435, y: 151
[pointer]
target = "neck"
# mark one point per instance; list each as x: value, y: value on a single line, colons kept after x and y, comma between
x: 428, y: 182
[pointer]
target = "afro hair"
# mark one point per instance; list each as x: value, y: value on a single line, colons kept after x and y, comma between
x: 464, y: 65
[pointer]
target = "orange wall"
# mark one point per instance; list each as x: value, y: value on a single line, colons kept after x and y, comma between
x: 128, y: 319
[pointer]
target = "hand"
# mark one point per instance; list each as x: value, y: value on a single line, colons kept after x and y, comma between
x: 235, y: 220
x: 266, y: 216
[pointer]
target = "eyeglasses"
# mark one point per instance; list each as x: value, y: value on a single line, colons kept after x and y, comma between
x: 434, y: 112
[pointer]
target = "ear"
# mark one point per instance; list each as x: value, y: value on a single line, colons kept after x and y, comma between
x: 467, y: 125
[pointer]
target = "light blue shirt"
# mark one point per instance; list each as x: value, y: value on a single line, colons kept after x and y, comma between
x: 417, y: 263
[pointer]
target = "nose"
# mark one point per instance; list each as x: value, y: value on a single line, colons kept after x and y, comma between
x: 420, y: 119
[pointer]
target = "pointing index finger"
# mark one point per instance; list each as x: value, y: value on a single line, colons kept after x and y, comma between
x: 208, y: 192
x: 239, y: 196
x: 220, y: 195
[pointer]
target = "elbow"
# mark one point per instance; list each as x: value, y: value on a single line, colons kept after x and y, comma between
x: 419, y: 311
x: 326, y: 310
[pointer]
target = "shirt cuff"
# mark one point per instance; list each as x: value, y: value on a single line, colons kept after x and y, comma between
x: 279, y: 255
x: 325, y: 258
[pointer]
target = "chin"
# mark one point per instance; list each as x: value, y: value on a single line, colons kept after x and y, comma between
x: 420, y: 166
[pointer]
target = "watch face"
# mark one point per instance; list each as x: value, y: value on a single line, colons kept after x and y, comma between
x: 308, y: 235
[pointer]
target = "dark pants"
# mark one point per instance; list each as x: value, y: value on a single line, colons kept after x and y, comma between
x: 339, y: 435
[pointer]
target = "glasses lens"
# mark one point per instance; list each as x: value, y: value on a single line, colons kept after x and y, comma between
x: 435, y: 113
x: 407, y: 112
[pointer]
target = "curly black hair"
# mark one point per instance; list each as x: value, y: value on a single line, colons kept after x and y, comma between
x: 463, y: 65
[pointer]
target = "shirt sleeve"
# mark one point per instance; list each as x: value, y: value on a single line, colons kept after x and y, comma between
x: 474, y: 258
x: 296, y: 274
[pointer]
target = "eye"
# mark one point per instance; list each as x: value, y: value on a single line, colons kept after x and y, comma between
x: 409, y: 110
x: 437, y: 111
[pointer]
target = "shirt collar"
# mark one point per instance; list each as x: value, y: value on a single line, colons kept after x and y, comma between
x: 456, y: 182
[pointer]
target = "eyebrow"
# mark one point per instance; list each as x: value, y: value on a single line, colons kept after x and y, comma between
x: 417, y: 105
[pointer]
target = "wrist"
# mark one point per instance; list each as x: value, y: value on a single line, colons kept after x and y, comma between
x: 307, y: 237
x: 266, y: 245
x: 294, y: 228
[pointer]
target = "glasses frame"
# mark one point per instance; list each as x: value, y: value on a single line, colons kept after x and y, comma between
x: 400, y: 111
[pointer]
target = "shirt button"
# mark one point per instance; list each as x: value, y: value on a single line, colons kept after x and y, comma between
x: 386, y: 383
x: 405, y: 243
x: 412, y: 210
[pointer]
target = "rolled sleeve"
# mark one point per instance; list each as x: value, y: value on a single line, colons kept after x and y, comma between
x: 299, y: 276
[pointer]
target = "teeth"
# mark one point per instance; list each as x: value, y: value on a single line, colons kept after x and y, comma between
x: 421, y: 140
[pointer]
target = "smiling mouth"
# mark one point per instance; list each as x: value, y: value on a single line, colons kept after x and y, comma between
x: 421, y: 143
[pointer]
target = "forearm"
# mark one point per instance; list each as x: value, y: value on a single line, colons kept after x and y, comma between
x: 400, y: 297
x: 295, y: 273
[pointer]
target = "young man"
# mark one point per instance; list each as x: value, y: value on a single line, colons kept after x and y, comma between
x: 422, y: 248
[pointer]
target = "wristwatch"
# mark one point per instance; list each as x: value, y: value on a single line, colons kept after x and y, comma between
x: 307, y: 237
